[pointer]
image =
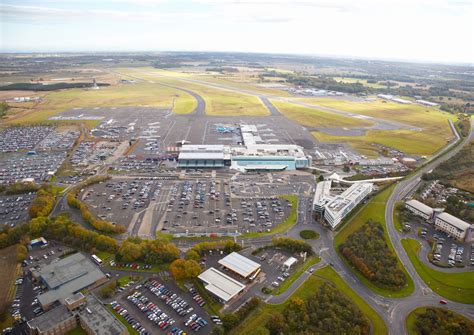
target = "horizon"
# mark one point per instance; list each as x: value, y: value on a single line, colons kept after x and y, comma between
x: 413, y: 31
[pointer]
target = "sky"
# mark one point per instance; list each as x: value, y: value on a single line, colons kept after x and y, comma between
x: 417, y: 30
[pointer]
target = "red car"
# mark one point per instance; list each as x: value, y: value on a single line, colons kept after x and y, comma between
x: 443, y: 302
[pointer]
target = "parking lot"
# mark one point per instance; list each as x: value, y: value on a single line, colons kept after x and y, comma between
x: 158, y: 307
x: 15, y: 139
x: 14, y: 208
x: 447, y: 252
x: 182, y: 206
x: 15, y: 167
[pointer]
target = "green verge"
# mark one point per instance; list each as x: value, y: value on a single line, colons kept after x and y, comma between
x: 130, y: 329
x: 289, y: 222
x: 254, y: 323
x: 453, y: 286
x: 375, y: 210
x: 300, y: 269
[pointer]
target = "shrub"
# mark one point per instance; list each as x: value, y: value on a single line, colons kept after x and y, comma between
x: 309, y: 234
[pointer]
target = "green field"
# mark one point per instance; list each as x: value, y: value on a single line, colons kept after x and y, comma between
x: 453, y: 286
x: 373, y: 210
x: 311, y: 117
x: 139, y: 94
x: 357, y: 80
x: 434, y: 135
x: 411, y: 142
x: 254, y: 323
x: 219, y: 101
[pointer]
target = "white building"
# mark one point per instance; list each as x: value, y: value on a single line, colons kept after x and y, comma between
x: 419, y: 209
x: 322, y: 195
x: 452, y: 225
x: 337, y: 207
x: 239, y: 264
x: 427, y: 103
x: 221, y: 285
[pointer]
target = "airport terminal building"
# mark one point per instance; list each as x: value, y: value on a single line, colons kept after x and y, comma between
x: 253, y: 155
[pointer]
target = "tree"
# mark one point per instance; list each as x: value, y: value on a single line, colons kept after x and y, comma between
x: 276, y: 324
x: 230, y: 321
x: 192, y: 255
x: 321, y: 178
x: 130, y: 251
x: 21, y: 252
x: 184, y: 269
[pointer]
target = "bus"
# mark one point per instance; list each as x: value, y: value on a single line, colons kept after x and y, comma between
x: 97, y: 260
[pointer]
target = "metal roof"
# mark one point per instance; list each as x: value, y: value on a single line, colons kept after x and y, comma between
x: 220, y: 284
x: 239, y: 264
x: 67, y: 276
x: 420, y: 206
x: 454, y: 221
x: 50, y: 319
x: 201, y: 155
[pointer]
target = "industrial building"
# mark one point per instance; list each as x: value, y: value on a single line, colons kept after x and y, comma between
x: 253, y: 154
x: 77, y: 310
x: 452, y: 225
x: 335, y: 207
x: 222, y: 286
x: 419, y: 209
x: 240, y: 265
x: 66, y: 277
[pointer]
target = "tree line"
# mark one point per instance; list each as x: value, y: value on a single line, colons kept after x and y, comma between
x: 367, y: 250
x: 74, y: 202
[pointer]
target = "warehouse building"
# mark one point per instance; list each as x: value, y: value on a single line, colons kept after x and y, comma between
x: 452, y: 225
x: 223, y: 287
x: 66, y: 277
x: 419, y: 209
x: 240, y: 265
x: 334, y: 208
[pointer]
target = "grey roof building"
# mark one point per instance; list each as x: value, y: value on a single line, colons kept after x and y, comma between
x: 66, y: 277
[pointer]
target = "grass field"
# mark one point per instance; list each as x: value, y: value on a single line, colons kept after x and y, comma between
x: 220, y: 102
x: 357, y: 80
x: 139, y: 94
x: 411, y: 142
x: 453, y: 286
x: 435, y: 131
x: 9, y: 266
x: 373, y: 210
x: 411, y: 319
x: 285, y: 225
x: 254, y: 323
x: 310, y: 117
